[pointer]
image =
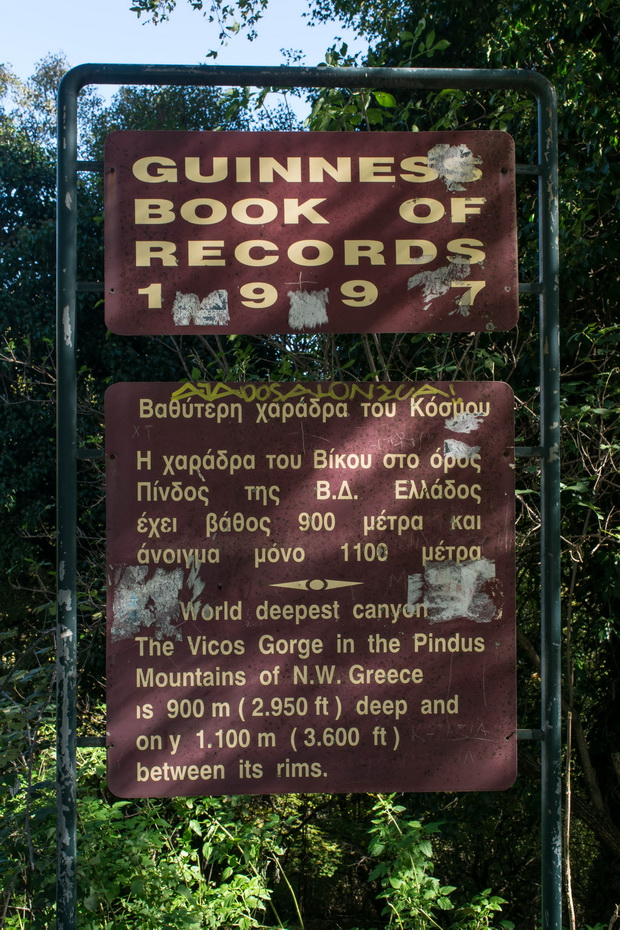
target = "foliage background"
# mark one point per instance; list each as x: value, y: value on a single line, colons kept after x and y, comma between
x: 322, y: 861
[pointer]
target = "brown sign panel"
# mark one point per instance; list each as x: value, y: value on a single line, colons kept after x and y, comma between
x: 311, y: 588
x: 288, y: 232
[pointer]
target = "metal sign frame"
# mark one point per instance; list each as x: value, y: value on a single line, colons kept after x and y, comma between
x: 68, y: 453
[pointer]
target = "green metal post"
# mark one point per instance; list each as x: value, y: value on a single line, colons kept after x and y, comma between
x: 66, y: 488
x: 551, y: 723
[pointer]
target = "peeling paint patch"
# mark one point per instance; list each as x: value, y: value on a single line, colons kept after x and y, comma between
x: 212, y: 310
x: 456, y: 590
x: 438, y: 283
x: 184, y: 307
x: 308, y: 309
x: 464, y: 423
x: 415, y: 589
x: 194, y: 582
x: 66, y: 326
x: 139, y: 602
x: 64, y: 598
x: 456, y: 164
x: 460, y: 450
x: 68, y: 201
x: 464, y: 302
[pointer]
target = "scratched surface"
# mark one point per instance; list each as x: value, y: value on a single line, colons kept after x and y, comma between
x: 353, y: 232
x: 310, y: 588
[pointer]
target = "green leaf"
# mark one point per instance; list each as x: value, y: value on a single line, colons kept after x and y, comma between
x: 91, y: 902
x: 445, y: 904
x: 384, y: 99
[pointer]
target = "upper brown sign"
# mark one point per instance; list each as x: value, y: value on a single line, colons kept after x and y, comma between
x: 287, y: 232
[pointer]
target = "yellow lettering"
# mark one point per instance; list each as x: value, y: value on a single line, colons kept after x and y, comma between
x: 419, y: 169
x: 409, y: 210
x: 153, y: 211
x: 462, y: 207
x: 148, y: 252
x: 268, y: 211
x: 403, y: 249
x: 203, y: 252
x: 465, y: 250
x: 219, y: 173
x: 293, y: 209
x: 189, y: 211
x: 376, y: 169
x: 243, y: 252
x: 291, y: 171
x: 370, y: 249
x: 165, y: 169
x: 244, y: 169
x: 297, y: 249
x: 318, y: 167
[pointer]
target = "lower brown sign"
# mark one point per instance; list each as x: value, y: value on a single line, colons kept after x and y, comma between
x: 310, y: 588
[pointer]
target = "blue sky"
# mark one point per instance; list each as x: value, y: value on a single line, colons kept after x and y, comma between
x: 106, y: 31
